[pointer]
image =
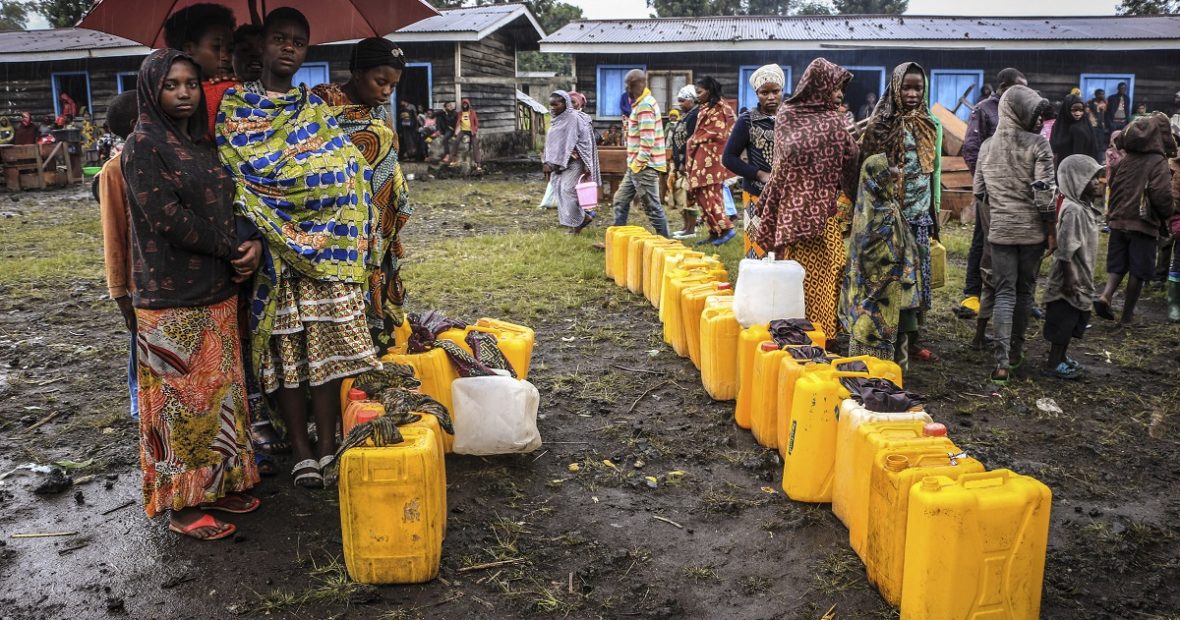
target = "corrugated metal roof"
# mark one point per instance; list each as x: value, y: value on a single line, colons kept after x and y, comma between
x: 864, y: 28
x: 474, y: 19
x: 62, y: 39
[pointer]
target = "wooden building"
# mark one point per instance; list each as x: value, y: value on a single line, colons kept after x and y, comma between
x: 462, y: 53
x: 1055, y: 53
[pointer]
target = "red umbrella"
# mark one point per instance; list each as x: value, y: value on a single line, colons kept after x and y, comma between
x: 331, y: 20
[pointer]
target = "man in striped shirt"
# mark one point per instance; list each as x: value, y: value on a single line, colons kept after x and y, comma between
x: 646, y: 155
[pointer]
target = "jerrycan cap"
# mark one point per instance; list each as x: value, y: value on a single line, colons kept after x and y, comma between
x: 770, y: 345
x: 357, y: 394
x: 366, y: 416
x: 724, y: 286
x: 934, y: 429
x: 930, y: 483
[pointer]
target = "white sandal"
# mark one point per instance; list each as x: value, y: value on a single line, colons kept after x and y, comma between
x: 311, y: 478
x: 326, y: 461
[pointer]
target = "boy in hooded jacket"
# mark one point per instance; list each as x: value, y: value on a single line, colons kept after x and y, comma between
x: 1014, y: 176
x: 1069, y: 296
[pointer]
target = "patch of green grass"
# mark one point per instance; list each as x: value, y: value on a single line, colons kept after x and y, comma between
x: 58, y: 243
x: 700, y: 573
x: 839, y: 571
x: 331, y: 585
x: 515, y: 276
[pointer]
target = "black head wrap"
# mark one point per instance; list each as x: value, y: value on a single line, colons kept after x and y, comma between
x: 376, y: 52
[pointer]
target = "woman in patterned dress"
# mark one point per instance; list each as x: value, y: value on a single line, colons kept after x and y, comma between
x: 903, y: 128
x: 706, y: 173
x: 360, y: 107
x: 753, y: 137
x: 306, y: 188
x: 194, y: 448
x: 815, y: 158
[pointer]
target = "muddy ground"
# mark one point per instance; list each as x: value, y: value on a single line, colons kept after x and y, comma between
x: 712, y: 537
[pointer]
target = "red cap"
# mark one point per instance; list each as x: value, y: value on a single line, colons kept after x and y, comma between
x: 770, y: 345
x: 366, y: 416
x: 357, y: 394
x: 724, y: 286
x: 934, y: 429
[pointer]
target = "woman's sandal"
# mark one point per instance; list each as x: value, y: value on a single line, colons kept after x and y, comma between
x: 267, y: 440
x: 222, y: 529
x: 266, y: 465
x: 234, y: 503
x: 325, y: 462
x: 311, y: 477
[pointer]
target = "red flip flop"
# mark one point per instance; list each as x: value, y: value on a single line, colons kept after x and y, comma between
x: 924, y: 355
x: 250, y: 504
x: 206, y: 521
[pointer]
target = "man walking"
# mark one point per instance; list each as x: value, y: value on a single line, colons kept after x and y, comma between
x: 646, y: 155
x: 980, y: 126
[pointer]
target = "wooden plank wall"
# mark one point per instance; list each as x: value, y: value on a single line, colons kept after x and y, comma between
x: 1053, y: 73
x: 489, y: 81
x: 439, y: 55
x: 27, y: 87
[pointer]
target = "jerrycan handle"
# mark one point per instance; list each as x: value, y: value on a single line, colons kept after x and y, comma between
x: 770, y: 345
x: 986, y: 479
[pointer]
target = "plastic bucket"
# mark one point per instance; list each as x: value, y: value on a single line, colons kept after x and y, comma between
x: 587, y: 195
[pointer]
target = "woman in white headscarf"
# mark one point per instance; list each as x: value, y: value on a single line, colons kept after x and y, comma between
x: 753, y: 137
x: 570, y: 157
x: 677, y: 197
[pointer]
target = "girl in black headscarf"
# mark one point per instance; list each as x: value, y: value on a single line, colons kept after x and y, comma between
x: 194, y: 447
x: 1073, y: 132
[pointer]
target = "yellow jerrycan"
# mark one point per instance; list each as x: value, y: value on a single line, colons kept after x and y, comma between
x: 895, y: 472
x: 719, y: 352
x: 676, y: 266
x: 514, y: 341
x: 975, y: 547
x: 937, y: 264
x: 663, y: 262
x: 434, y: 369
x: 620, y: 243
x: 635, y: 261
x: 609, y: 243
x: 390, y: 518
x: 692, y: 305
x: 811, y: 443
x: 790, y: 369
x: 764, y: 384
x: 870, y: 440
x: 749, y: 342
x: 648, y: 260
x: 678, y: 281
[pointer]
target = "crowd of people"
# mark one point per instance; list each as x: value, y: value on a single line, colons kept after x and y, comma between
x: 440, y: 134
x: 251, y: 229
x: 857, y: 203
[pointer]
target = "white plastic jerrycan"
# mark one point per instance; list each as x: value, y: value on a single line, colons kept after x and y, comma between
x: 768, y: 290
x: 495, y: 415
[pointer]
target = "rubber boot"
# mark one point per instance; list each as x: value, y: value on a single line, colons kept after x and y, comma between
x: 1173, y: 301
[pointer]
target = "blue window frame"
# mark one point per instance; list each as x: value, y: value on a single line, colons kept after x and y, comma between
x: 126, y: 81
x: 1108, y: 82
x: 76, y: 83
x: 747, y: 98
x: 948, y: 85
x: 313, y: 74
x: 609, y: 88
x: 411, y: 72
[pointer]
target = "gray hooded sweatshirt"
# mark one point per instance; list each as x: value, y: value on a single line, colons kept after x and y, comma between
x: 1010, y: 163
x: 1077, y: 232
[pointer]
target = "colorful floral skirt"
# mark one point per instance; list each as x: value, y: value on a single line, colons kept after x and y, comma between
x: 320, y: 334
x: 193, y: 445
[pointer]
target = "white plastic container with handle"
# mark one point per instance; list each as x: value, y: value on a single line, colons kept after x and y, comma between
x: 495, y: 415
x: 768, y: 290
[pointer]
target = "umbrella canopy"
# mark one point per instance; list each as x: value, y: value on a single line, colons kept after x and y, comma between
x: 331, y: 20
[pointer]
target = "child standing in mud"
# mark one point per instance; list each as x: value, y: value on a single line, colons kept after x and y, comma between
x: 1069, y: 296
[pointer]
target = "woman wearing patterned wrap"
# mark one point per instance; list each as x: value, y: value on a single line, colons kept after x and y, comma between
x: 360, y: 107
x: 706, y: 173
x: 903, y: 128
x: 194, y: 448
x: 753, y: 136
x: 307, y: 189
x: 882, y: 276
x: 814, y: 159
